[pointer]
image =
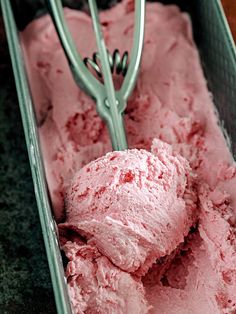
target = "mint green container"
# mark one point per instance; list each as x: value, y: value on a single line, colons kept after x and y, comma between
x: 218, y: 56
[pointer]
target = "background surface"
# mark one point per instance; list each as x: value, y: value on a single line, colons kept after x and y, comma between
x: 24, y: 277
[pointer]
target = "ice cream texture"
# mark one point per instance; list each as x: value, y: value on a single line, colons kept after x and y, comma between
x: 172, y: 127
x: 133, y: 206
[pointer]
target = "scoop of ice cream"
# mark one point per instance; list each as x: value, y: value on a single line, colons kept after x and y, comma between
x: 134, y: 206
x: 97, y: 286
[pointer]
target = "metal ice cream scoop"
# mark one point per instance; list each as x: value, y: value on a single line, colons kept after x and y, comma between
x: 110, y: 103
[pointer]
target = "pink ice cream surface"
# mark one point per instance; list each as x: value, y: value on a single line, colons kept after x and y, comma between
x: 170, y: 103
x: 97, y: 286
x: 133, y: 206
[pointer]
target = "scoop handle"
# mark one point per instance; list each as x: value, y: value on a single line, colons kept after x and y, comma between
x: 136, y: 53
x: 114, y: 118
x: 80, y: 72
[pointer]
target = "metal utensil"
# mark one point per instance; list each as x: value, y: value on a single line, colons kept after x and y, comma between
x: 110, y: 103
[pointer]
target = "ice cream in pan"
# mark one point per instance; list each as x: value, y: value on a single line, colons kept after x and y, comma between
x: 152, y: 229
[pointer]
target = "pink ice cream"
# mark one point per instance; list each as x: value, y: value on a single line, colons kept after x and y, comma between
x: 171, y: 103
x: 97, y: 286
x: 134, y: 207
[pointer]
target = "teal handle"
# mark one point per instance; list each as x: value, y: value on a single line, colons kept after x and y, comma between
x: 136, y: 54
x: 81, y: 75
x: 115, y: 121
x: 118, y: 142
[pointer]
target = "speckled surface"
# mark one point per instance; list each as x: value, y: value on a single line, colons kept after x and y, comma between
x: 25, y: 285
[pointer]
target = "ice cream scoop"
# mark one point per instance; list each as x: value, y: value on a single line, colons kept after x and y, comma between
x: 110, y: 103
x: 134, y: 206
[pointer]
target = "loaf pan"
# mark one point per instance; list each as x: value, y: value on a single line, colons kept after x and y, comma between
x: 218, y: 57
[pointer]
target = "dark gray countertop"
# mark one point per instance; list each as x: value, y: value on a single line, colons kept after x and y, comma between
x: 25, y: 285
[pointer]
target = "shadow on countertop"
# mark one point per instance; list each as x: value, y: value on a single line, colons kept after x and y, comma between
x: 25, y: 285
